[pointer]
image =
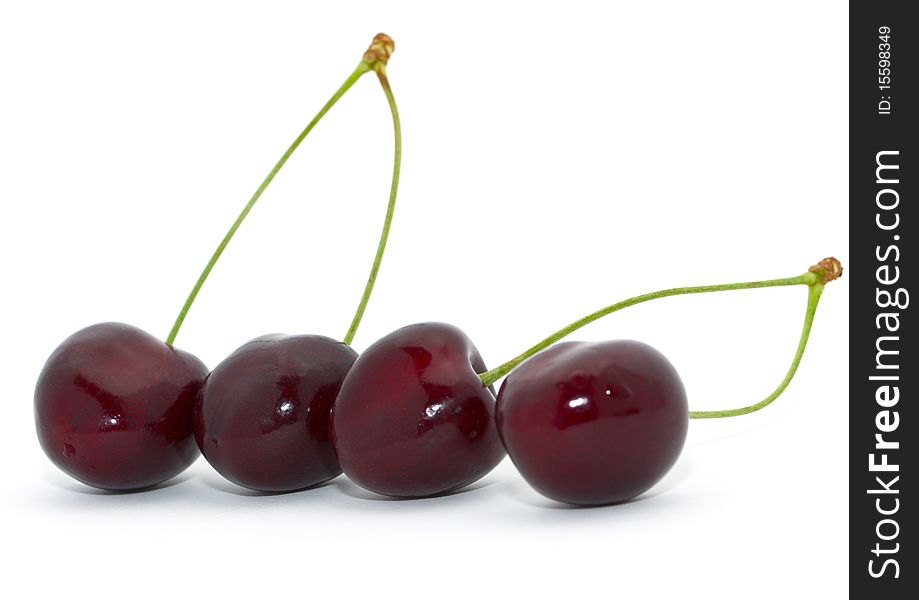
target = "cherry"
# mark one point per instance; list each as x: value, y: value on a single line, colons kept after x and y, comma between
x: 262, y: 416
x: 593, y: 423
x: 113, y: 407
x: 600, y: 423
x: 413, y: 418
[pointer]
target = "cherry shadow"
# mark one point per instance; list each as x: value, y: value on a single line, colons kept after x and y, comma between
x: 676, y: 476
x: 351, y: 489
x: 71, y: 485
x: 218, y: 483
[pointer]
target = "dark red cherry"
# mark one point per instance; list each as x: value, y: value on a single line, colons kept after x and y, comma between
x: 413, y: 418
x: 262, y: 416
x: 593, y: 423
x: 113, y: 407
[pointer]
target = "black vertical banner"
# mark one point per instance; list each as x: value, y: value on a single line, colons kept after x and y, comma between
x: 884, y: 372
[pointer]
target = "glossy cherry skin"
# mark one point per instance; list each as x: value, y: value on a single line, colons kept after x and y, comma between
x: 413, y: 418
x: 113, y: 407
x: 593, y: 423
x: 262, y: 416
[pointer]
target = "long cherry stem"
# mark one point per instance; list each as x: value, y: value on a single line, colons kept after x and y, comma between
x: 352, y: 79
x: 380, y: 69
x: 813, y: 297
x: 815, y: 278
x: 380, y: 50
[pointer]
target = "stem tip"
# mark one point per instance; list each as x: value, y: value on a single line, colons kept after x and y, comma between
x: 827, y: 269
x: 381, y: 48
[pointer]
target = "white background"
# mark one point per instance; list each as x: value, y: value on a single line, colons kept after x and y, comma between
x: 556, y: 160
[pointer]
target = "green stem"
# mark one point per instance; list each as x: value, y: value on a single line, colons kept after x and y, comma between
x: 489, y: 377
x: 362, y: 68
x: 815, y: 279
x: 813, y: 297
x: 380, y: 69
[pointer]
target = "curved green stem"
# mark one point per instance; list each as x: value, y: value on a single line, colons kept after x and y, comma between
x: 815, y: 279
x: 362, y: 68
x: 380, y: 69
x: 813, y: 297
x: 493, y: 375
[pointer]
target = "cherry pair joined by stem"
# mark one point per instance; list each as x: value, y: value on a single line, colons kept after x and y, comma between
x: 114, y: 405
x: 585, y: 423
